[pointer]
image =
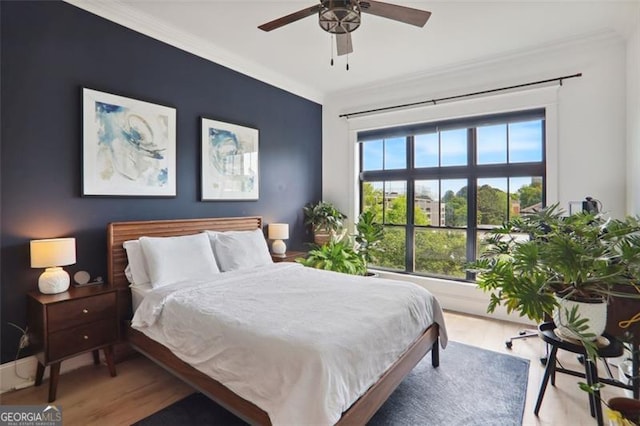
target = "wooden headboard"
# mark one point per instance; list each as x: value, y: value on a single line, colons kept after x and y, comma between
x: 119, y: 232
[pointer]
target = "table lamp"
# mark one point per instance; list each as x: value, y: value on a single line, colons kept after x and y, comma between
x: 278, y: 232
x: 52, y: 254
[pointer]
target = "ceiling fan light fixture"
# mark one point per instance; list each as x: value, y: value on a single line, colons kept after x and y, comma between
x: 342, y: 17
x: 339, y: 16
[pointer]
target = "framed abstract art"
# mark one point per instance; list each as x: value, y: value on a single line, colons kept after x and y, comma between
x: 229, y: 161
x: 128, y: 147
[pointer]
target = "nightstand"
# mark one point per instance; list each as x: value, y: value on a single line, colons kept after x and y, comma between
x: 67, y: 324
x: 289, y: 256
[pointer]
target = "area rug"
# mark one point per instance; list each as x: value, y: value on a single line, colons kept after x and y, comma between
x: 472, y: 386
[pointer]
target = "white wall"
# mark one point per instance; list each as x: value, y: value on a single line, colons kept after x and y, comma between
x: 633, y: 120
x: 588, y: 154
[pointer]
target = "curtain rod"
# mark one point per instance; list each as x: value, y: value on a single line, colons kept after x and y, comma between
x: 466, y: 95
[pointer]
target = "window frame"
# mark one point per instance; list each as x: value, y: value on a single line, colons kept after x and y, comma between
x: 471, y: 172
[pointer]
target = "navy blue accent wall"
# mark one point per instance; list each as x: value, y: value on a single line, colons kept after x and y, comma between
x: 52, y: 49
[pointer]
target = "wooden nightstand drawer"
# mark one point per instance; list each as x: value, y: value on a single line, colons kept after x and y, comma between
x: 82, y: 338
x: 66, y: 324
x: 81, y: 311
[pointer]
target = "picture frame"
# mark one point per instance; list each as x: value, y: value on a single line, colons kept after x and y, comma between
x: 230, y: 161
x: 128, y: 146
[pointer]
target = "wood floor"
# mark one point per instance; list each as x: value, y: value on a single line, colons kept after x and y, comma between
x: 89, y: 396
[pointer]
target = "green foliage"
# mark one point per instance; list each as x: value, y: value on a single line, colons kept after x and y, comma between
x: 396, y: 212
x: 441, y: 251
x: 323, y: 216
x: 530, y: 195
x: 393, y: 244
x: 372, y: 200
x: 338, y: 256
x: 492, y: 205
x: 580, y: 327
x: 350, y: 255
x: 455, y: 209
x: 532, y: 257
x: 369, y: 236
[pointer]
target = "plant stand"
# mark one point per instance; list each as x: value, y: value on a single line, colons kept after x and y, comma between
x: 613, y: 349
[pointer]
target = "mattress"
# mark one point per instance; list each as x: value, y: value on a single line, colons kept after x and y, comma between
x: 300, y: 343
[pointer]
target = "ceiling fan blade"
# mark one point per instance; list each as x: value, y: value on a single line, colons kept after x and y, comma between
x: 293, y: 17
x: 404, y: 14
x: 343, y: 44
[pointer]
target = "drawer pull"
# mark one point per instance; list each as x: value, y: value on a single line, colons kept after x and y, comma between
x: 85, y: 311
x: 85, y: 337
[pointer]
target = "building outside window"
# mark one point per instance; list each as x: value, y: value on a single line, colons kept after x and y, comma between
x: 439, y: 187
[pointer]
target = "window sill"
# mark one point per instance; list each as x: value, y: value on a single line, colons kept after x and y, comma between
x: 456, y: 296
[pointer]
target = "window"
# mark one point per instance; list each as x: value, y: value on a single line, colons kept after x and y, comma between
x: 438, y: 188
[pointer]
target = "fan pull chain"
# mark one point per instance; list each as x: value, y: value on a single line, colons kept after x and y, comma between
x: 331, y: 47
x: 347, y: 62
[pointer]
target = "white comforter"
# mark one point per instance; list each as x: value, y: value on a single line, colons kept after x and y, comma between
x: 300, y: 343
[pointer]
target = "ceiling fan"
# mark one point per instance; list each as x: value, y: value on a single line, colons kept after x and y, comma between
x: 342, y: 17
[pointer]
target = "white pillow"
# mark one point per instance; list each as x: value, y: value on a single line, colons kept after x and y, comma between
x: 137, y: 264
x: 240, y: 249
x: 128, y: 274
x: 213, y: 235
x: 173, y: 259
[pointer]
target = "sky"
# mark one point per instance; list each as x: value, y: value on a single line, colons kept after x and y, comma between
x: 525, y: 145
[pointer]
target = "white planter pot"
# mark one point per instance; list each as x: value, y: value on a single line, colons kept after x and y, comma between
x: 595, y: 312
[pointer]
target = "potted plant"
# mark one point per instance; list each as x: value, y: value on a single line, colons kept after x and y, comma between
x: 326, y: 221
x: 336, y: 255
x: 368, y: 237
x: 536, y: 263
x: 349, y: 254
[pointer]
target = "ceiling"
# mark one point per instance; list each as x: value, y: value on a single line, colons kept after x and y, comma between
x: 297, y: 56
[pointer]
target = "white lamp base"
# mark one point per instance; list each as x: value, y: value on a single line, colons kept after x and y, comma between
x: 53, y: 280
x: 278, y: 247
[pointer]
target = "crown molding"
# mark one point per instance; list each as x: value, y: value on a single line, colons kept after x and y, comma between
x: 460, y: 69
x: 122, y: 14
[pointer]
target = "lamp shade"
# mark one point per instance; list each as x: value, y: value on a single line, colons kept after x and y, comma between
x: 53, y: 252
x: 278, y: 231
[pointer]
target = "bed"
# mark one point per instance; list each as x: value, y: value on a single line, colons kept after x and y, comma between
x: 359, y: 412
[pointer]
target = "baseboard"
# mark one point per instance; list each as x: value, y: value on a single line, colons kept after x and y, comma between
x: 26, y: 367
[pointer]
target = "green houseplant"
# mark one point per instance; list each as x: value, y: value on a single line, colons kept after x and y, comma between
x: 536, y: 262
x: 325, y: 219
x: 368, y: 236
x: 336, y: 255
x: 349, y: 253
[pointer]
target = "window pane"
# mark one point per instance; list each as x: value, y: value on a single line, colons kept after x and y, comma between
x: 483, y: 243
x: 525, y: 141
x: 453, y: 145
x: 526, y: 194
x: 395, y: 201
x: 393, y: 244
x: 426, y: 150
x: 427, y: 204
x: 441, y: 252
x: 372, y: 198
x: 492, y: 201
x: 492, y: 144
x: 454, y: 201
x: 508, y: 153
x: 372, y: 155
x: 395, y: 153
